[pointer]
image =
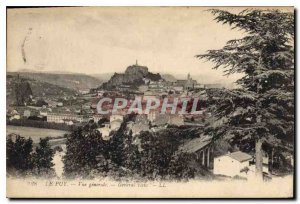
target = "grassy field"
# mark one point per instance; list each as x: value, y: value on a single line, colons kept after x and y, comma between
x: 34, y: 133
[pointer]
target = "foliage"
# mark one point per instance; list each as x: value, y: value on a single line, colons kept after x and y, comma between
x: 157, y: 151
x: 132, y: 155
x: 42, y: 158
x: 21, y: 91
x: 18, y: 154
x: 117, y: 145
x: 180, y: 168
x: 40, y: 102
x: 86, y: 151
x: 263, y: 107
x: 88, y: 155
x: 21, y: 160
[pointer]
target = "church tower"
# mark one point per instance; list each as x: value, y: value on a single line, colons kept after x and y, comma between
x: 188, y: 76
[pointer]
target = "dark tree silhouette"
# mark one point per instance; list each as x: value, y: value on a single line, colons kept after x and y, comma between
x: 263, y: 108
x: 86, y: 151
x: 42, y: 158
x: 21, y: 91
x: 18, y: 154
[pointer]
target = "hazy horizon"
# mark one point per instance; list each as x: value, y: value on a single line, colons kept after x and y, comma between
x: 103, y: 40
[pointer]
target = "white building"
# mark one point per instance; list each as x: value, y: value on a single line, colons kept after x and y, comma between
x: 43, y: 112
x: 115, y: 125
x: 138, y: 128
x: 237, y: 164
x: 105, y: 131
x: 96, y: 118
x: 69, y: 122
x: 60, y: 117
x: 100, y: 93
x: 199, y: 86
x: 84, y: 91
x: 116, y: 117
x: 153, y: 115
x: 60, y: 104
x: 143, y: 88
x: 52, y: 103
x: 16, y: 117
x: 178, y: 88
x: 140, y: 124
x: 27, y: 113
x: 231, y: 164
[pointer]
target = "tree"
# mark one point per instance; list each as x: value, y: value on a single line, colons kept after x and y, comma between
x: 102, y: 121
x: 179, y: 167
x: 18, y: 154
x: 132, y: 156
x: 40, y: 103
x: 157, y: 151
x: 118, y: 144
x: 42, y: 158
x: 263, y: 108
x: 22, y: 91
x: 86, y: 152
x: 121, y: 142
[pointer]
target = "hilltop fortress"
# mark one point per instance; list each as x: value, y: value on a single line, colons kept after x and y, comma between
x: 134, y: 76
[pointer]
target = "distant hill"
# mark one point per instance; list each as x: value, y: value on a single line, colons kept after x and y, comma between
x: 134, y: 76
x: 168, y: 77
x: 68, y: 80
x: 37, y: 88
x: 103, y: 77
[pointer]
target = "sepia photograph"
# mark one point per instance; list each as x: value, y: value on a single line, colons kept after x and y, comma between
x: 150, y: 102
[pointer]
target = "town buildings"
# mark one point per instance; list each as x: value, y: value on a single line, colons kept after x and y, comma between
x: 115, y: 122
x: 60, y: 117
x: 187, y: 84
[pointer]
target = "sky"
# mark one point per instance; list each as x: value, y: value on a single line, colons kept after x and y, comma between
x: 95, y: 40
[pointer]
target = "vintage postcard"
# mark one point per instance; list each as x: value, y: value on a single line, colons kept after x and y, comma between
x: 150, y: 102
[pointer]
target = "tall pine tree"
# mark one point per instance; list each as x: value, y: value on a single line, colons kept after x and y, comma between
x: 263, y: 108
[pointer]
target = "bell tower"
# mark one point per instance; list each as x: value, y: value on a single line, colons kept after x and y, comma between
x: 188, y: 76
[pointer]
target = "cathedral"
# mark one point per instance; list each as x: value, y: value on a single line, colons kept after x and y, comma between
x: 187, y: 84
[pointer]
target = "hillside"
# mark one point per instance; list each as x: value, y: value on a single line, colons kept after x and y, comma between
x: 168, y: 77
x: 103, y: 77
x: 37, y: 89
x: 134, y: 75
x: 68, y: 80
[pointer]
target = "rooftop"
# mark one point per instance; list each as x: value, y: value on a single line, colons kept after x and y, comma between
x: 196, y: 144
x: 240, y: 156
